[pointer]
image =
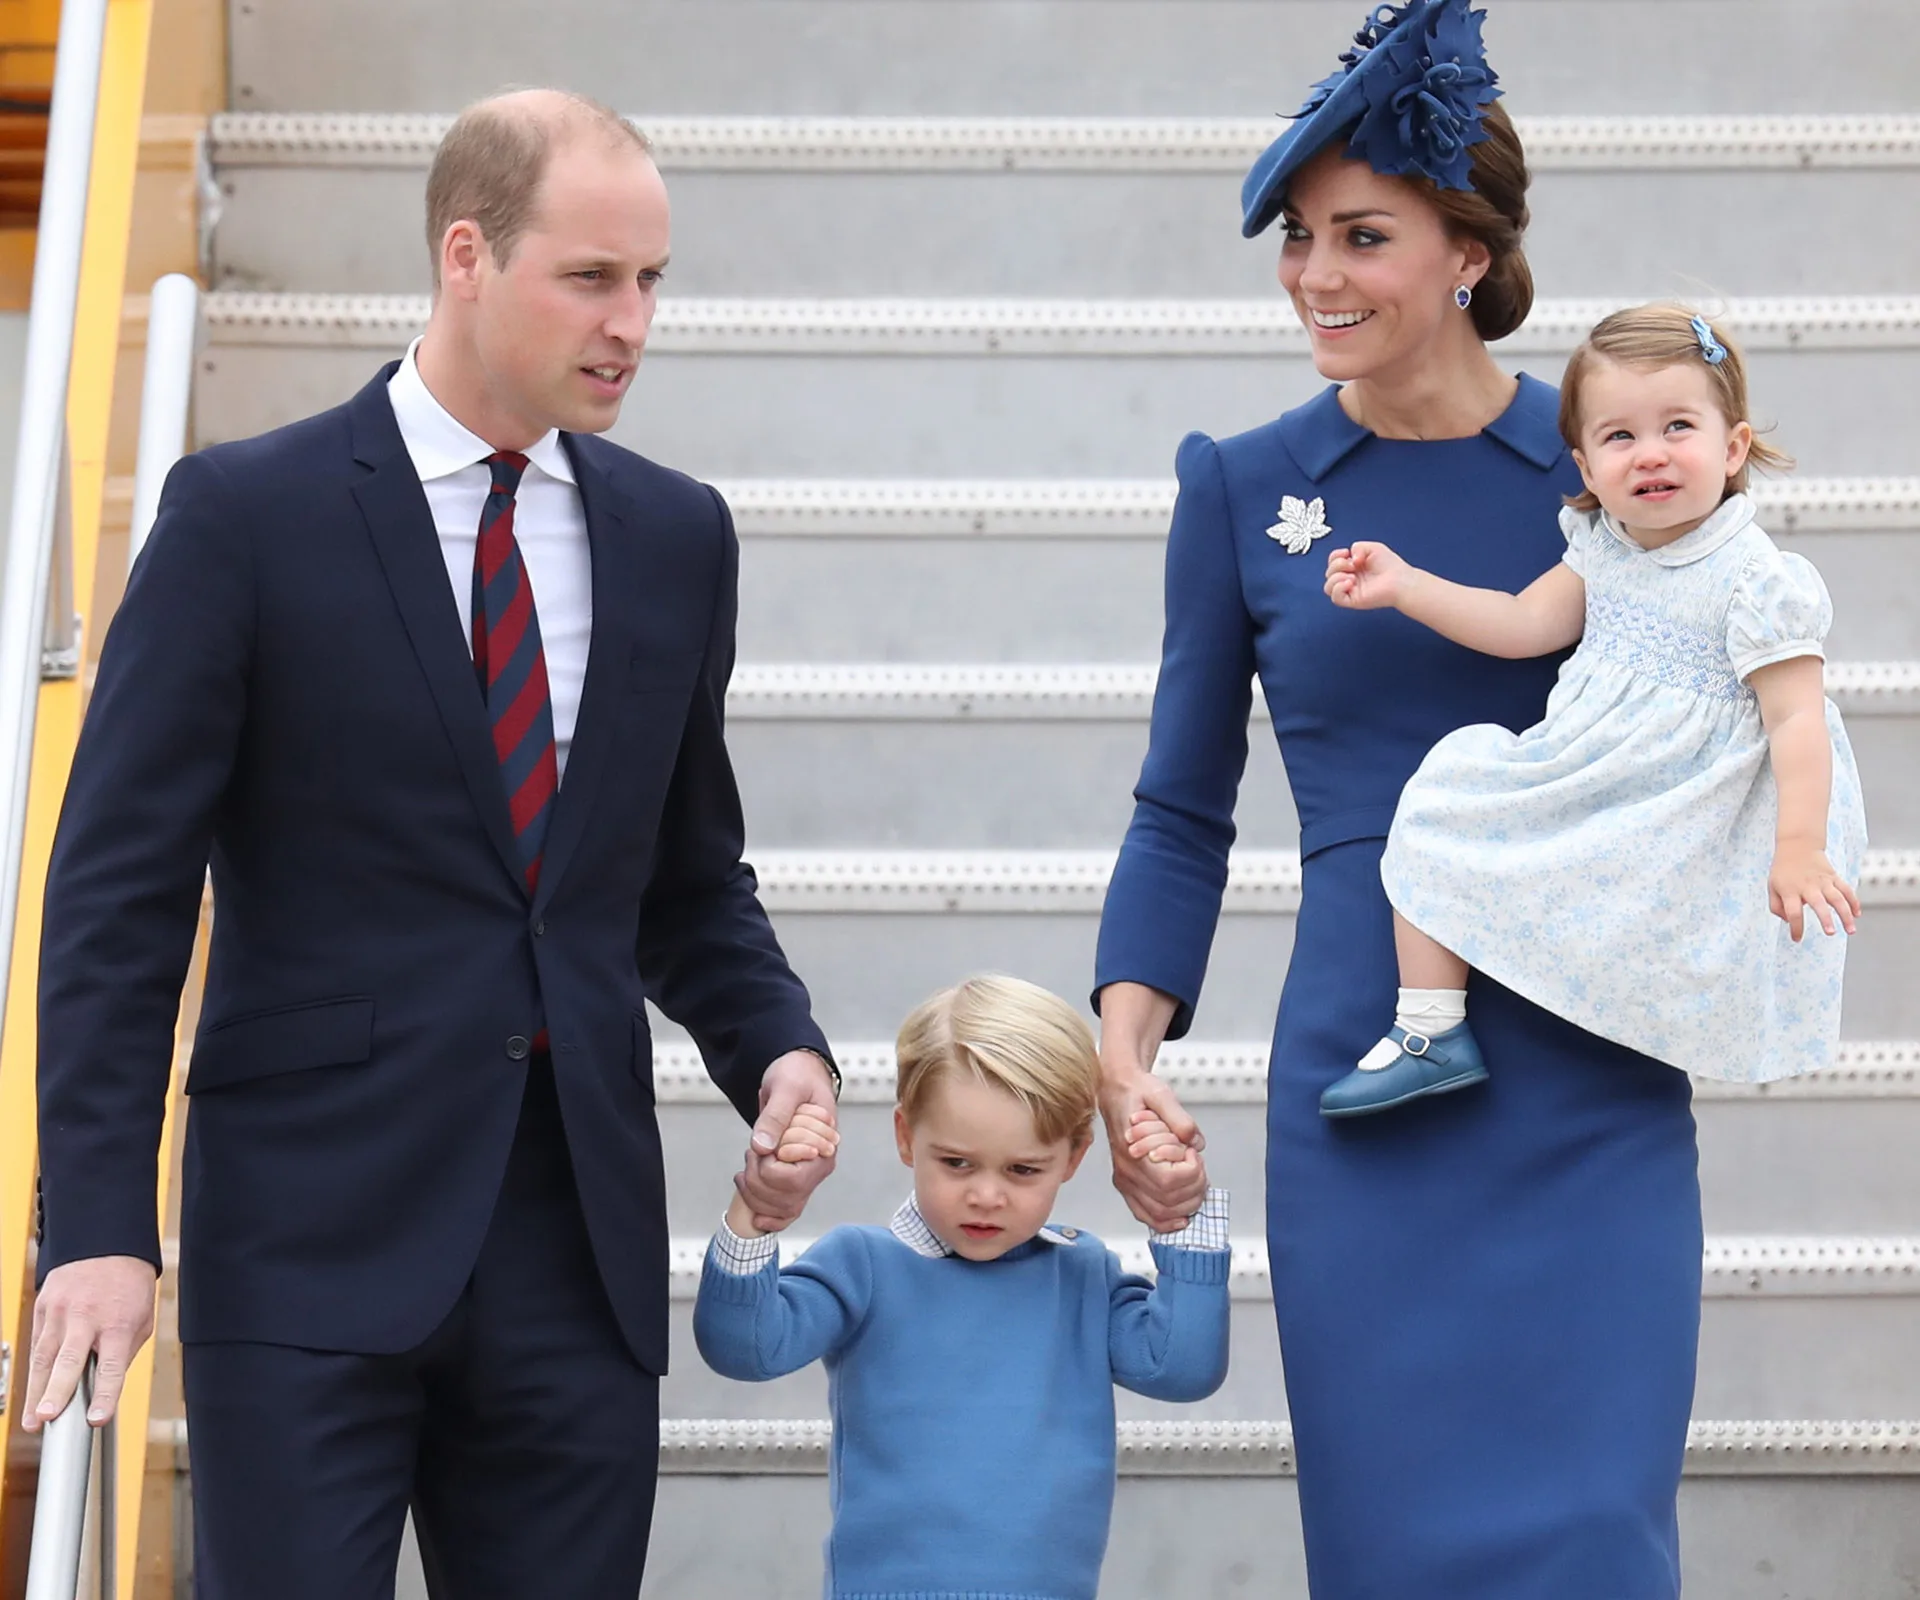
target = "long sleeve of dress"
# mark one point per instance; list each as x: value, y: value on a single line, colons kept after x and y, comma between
x: 765, y: 1324
x: 1164, y: 900
x: 1168, y: 1339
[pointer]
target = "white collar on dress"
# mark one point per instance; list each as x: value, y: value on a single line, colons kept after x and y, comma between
x: 911, y: 1229
x: 439, y: 445
x: 1732, y: 514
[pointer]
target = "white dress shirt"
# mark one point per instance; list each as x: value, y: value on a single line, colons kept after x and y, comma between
x: 549, y: 523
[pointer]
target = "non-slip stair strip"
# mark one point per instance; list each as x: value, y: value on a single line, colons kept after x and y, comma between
x: 1734, y: 1268
x: 1235, y: 1073
x: 1081, y: 144
x: 1075, y: 881
x: 1021, y: 327
x: 1138, y: 508
x: 1025, y: 693
x: 1810, y: 1449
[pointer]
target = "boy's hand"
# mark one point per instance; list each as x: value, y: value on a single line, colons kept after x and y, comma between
x: 1151, y: 1139
x: 810, y: 1136
x: 1365, y: 576
x: 1803, y: 880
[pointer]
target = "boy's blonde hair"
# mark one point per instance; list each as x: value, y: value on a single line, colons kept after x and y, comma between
x: 1011, y: 1034
x: 1648, y: 338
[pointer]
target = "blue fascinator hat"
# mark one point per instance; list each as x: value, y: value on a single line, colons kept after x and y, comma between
x: 1408, y: 98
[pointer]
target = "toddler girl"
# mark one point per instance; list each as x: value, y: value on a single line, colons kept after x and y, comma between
x: 1608, y: 862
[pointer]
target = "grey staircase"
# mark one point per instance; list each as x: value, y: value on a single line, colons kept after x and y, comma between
x: 951, y: 279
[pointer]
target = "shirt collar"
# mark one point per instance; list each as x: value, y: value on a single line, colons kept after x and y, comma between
x: 1732, y: 514
x: 912, y: 1230
x: 1319, y: 435
x: 440, y: 446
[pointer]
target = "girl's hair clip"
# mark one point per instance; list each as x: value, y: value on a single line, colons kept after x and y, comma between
x: 1710, y: 347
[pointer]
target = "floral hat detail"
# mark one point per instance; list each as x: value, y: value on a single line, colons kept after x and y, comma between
x: 1408, y: 96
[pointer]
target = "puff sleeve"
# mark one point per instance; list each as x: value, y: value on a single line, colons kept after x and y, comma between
x: 1780, y: 610
x: 1576, y: 527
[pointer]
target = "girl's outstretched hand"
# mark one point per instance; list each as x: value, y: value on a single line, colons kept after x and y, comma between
x: 1803, y: 881
x: 1365, y: 576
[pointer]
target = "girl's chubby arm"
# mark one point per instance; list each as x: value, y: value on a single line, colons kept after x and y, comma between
x: 1548, y: 615
x: 754, y: 1319
x: 1793, y: 709
x: 1167, y: 1339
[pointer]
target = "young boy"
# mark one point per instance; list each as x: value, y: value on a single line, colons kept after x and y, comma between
x: 971, y: 1347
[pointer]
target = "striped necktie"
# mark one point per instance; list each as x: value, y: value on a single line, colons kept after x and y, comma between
x: 512, y: 668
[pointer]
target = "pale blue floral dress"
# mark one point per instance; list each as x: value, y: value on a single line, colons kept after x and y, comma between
x: 1610, y: 863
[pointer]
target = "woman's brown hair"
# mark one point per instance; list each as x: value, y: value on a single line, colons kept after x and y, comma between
x: 1650, y: 337
x: 1494, y: 211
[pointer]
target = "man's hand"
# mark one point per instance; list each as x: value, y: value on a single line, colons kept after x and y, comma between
x: 104, y: 1304
x: 775, y: 1188
x: 1161, y: 1188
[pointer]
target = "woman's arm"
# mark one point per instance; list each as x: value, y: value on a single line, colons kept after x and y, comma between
x: 1133, y: 1024
x: 1548, y: 615
x: 1793, y: 708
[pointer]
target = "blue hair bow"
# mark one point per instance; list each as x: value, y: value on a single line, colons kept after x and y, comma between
x: 1710, y: 347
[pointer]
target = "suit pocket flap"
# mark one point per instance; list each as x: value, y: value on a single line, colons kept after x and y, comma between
x: 264, y: 1044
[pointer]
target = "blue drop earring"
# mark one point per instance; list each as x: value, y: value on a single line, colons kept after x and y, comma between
x: 1463, y: 297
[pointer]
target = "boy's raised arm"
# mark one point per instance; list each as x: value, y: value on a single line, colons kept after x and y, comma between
x: 1168, y: 1339
x: 754, y: 1320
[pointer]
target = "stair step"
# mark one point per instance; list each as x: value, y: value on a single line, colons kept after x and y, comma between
x: 1041, y: 387
x: 874, y: 932
x: 861, y: 205
x: 967, y: 756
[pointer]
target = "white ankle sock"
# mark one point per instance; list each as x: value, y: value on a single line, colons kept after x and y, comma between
x: 1430, y: 1011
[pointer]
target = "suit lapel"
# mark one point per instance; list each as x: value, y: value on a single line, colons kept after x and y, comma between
x: 614, y: 551
x: 401, y: 527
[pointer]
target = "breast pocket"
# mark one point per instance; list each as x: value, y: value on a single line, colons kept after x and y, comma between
x: 295, y: 1038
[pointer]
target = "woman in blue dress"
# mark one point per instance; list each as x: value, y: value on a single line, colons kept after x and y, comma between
x: 1488, y: 1303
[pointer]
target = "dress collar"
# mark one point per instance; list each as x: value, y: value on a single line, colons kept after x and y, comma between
x: 911, y: 1229
x: 440, y: 446
x: 1319, y: 435
x: 1732, y: 514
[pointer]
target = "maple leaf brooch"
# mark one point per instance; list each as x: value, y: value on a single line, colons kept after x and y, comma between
x: 1301, y: 522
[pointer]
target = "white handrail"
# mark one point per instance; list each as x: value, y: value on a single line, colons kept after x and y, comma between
x: 37, y: 467
x: 60, y: 1504
x: 173, y: 317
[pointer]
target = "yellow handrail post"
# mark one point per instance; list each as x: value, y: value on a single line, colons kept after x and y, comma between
x: 89, y: 410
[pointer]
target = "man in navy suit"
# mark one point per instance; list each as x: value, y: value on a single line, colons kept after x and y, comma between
x: 434, y: 681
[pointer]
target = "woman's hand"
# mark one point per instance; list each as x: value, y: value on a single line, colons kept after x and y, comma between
x: 1157, y: 1166
x: 1803, y: 880
x: 1366, y: 576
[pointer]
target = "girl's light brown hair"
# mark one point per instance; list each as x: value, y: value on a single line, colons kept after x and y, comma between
x: 1013, y: 1035
x: 1647, y: 338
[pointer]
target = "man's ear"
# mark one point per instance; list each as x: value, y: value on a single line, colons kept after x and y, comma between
x: 903, y: 1135
x: 462, y: 250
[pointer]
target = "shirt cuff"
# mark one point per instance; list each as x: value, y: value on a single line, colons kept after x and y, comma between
x: 742, y: 1258
x: 1206, y: 1229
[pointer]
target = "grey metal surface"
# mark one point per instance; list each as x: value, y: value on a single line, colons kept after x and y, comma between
x: 1838, y: 411
x: 977, y: 781
x: 1822, y: 1167
x: 1026, y: 233
x: 866, y: 970
x: 1217, y: 57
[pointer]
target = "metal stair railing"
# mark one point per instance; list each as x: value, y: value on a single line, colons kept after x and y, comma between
x: 173, y: 319
x: 67, y: 1501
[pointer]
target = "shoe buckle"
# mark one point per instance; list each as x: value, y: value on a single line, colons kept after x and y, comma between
x: 1416, y: 1044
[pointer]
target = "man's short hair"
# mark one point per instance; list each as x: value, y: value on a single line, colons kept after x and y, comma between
x: 489, y: 166
x: 1013, y: 1035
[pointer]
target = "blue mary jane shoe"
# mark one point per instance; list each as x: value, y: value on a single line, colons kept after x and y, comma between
x: 1436, y: 1065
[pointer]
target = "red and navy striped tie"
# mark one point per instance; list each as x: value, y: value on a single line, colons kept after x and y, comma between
x: 512, y: 667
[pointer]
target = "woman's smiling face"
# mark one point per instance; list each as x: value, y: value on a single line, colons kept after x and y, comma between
x: 1371, y: 269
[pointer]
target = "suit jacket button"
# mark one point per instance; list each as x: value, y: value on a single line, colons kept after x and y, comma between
x: 518, y: 1048
x: 540, y: 930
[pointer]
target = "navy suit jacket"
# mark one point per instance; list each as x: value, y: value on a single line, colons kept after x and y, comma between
x: 286, y: 695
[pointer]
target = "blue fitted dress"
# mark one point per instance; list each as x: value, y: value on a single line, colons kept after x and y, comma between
x: 1488, y: 1302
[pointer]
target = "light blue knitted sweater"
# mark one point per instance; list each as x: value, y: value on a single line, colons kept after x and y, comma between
x: 972, y: 1402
